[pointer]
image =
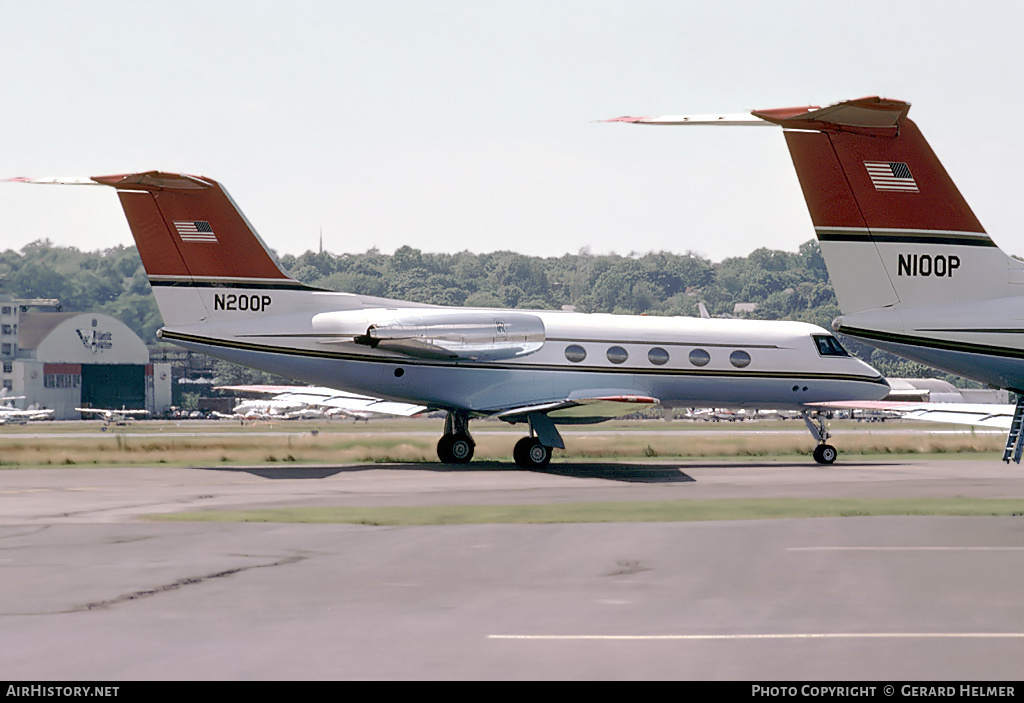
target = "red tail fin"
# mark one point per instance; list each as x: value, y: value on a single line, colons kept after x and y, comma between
x: 894, y: 229
x: 853, y: 179
x: 187, y: 227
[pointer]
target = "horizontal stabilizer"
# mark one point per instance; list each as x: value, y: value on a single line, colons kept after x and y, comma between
x: 871, y: 115
x: 741, y: 120
x: 55, y: 180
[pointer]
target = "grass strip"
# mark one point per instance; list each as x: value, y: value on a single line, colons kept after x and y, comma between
x: 649, y: 511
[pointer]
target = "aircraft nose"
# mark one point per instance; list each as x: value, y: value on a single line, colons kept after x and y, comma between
x: 879, y: 388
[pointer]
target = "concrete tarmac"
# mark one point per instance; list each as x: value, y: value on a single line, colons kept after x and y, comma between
x: 90, y: 590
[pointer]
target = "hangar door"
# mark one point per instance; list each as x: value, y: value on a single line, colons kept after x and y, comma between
x: 114, y: 385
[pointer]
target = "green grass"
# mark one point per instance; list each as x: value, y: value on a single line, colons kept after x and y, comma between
x: 653, y: 511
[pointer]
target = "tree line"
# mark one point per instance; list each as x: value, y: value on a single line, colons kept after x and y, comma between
x: 783, y: 285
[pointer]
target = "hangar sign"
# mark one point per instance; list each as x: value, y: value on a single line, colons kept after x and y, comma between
x: 94, y: 340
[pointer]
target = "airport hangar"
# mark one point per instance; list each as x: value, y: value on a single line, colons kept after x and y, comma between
x: 67, y: 360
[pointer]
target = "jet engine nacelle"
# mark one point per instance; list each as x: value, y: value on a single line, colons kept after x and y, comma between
x: 469, y: 336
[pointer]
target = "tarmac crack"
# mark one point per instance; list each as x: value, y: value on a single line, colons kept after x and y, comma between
x: 18, y: 531
x: 180, y: 583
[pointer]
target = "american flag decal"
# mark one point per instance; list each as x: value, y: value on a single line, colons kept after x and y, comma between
x: 195, y: 231
x: 891, y: 176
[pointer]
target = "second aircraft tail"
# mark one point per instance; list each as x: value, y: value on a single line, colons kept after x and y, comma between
x: 893, y: 227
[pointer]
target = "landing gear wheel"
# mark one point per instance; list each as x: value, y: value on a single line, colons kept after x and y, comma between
x: 529, y: 453
x: 455, y: 448
x: 825, y: 454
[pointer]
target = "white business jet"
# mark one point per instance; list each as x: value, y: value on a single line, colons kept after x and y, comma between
x: 221, y: 292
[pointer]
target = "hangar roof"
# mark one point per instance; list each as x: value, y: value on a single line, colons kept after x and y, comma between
x: 79, y: 337
x: 34, y: 326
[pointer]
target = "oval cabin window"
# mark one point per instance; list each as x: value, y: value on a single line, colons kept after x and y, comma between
x: 739, y: 359
x: 617, y: 355
x: 657, y: 356
x: 575, y: 353
x: 699, y: 357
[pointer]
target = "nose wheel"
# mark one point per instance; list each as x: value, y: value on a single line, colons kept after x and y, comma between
x: 824, y: 453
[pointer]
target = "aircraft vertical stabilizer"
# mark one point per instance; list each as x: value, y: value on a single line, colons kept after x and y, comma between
x: 190, y: 236
x: 893, y: 227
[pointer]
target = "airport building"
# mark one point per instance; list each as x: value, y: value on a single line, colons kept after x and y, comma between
x: 66, y: 360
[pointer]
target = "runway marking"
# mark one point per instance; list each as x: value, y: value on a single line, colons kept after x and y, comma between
x: 905, y: 549
x: 795, y: 636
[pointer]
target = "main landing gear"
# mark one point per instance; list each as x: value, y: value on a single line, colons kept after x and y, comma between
x: 529, y: 453
x: 824, y: 453
x: 456, y: 446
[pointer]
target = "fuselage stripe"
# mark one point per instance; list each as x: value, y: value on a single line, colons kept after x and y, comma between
x: 903, y: 236
x: 931, y: 343
x: 405, y: 361
x: 231, y: 283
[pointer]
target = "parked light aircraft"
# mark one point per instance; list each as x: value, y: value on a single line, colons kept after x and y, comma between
x: 114, y: 416
x: 221, y: 292
x: 914, y: 271
x: 12, y: 415
x: 288, y: 402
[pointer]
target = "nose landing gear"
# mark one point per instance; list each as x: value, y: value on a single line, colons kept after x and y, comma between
x: 824, y: 453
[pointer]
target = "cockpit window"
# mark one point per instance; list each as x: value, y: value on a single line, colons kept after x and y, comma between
x: 829, y: 345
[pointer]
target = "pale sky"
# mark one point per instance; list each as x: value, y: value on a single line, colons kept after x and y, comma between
x: 452, y: 125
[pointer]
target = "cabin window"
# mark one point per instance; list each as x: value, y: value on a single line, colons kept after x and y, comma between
x: 575, y: 353
x: 657, y: 356
x: 699, y: 357
x: 829, y: 346
x: 617, y: 355
x: 739, y: 359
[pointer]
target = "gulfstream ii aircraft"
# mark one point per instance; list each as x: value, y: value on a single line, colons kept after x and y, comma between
x: 221, y: 292
x: 913, y: 269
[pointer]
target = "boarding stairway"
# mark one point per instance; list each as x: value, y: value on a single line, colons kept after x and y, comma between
x: 1015, y: 438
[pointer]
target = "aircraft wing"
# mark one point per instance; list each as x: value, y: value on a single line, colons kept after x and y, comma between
x: 128, y: 411
x: 333, y: 399
x: 978, y: 414
x: 582, y: 407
